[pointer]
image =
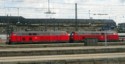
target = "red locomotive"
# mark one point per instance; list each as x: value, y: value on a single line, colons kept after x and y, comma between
x: 97, y: 35
x: 38, y: 36
x: 61, y: 36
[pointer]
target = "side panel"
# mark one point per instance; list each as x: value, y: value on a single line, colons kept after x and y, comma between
x: 112, y: 37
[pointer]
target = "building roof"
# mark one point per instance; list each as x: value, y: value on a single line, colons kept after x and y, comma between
x: 19, y: 19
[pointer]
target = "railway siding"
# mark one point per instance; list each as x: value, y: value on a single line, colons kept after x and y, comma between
x: 59, y: 51
x: 62, y: 54
x: 45, y: 45
x: 107, y: 58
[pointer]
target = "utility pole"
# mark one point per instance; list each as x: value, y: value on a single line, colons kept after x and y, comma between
x: 6, y: 24
x: 7, y: 29
x: 106, y: 38
x: 49, y: 12
x: 76, y: 22
x: 89, y: 15
x: 18, y: 15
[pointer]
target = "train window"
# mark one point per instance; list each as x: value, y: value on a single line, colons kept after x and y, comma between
x: 34, y: 34
x: 102, y: 33
x: 30, y: 33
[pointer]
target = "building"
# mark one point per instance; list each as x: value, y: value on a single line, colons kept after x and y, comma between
x: 18, y: 23
x: 121, y: 27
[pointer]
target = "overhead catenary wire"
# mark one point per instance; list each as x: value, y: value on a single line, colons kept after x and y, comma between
x: 81, y: 7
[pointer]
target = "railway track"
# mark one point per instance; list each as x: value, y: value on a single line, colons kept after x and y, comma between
x: 62, y: 53
x: 65, y: 58
x: 60, y: 50
x: 43, y: 45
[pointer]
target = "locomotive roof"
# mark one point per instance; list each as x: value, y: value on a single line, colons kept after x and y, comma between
x: 96, y: 31
x: 41, y: 32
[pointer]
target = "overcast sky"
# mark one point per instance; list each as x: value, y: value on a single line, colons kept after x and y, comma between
x: 96, y: 9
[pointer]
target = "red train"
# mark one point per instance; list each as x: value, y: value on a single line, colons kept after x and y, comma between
x: 61, y: 36
x: 38, y: 36
x: 97, y: 35
x: 92, y: 37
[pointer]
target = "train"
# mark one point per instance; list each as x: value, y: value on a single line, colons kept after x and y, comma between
x: 61, y: 36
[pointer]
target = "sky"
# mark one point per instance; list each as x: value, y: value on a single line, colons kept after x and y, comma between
x: 86, y: 9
